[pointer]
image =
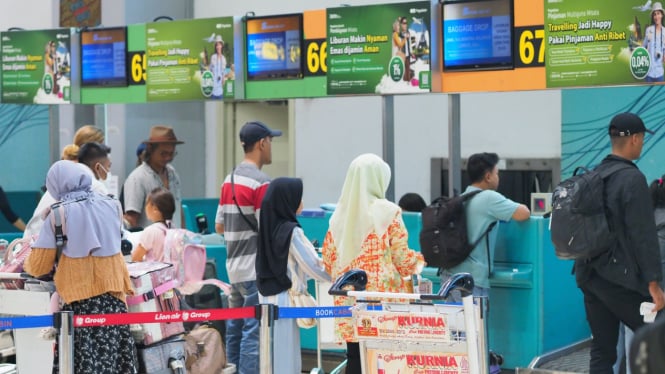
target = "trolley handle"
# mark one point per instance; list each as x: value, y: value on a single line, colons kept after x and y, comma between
x: 23, y: 275
x: 357, y: 279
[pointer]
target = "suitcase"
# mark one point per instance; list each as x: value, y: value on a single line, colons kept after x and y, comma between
x: 165, y: 357
x: 153, y: 284
x: 209, y: 297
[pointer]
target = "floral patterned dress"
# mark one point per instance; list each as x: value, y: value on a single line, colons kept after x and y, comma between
x: 386, y: 259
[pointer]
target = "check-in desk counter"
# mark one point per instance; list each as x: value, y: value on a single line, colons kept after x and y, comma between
x: 535, y: 306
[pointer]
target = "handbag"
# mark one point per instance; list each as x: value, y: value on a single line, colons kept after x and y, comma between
x: 300, y: 299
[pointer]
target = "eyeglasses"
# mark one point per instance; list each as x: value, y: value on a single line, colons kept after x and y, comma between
x: 168, y: 153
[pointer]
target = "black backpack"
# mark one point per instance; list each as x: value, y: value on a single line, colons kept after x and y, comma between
x: 579, y: 227
x: 443, y: 239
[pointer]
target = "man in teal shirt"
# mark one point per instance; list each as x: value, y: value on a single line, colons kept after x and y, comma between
x: 482, y: 210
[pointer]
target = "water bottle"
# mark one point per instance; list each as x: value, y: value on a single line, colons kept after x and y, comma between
x: 380, y: 368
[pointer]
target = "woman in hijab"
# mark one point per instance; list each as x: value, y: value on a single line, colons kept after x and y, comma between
x: 284, y: 250
x: 91, y: 276
x: 367, y: 232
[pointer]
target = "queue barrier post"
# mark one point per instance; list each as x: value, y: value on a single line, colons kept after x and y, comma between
x: 64, y: 323
x: 267, y: 314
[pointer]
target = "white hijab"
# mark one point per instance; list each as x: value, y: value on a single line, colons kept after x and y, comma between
x: 362, y: 207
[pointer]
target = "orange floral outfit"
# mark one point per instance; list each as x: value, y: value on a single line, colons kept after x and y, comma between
x: 386, y: 259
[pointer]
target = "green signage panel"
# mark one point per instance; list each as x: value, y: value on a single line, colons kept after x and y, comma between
x: 36, y: 67
x: 379, y: 49
x: 190, y: 60
x: 599, y: 42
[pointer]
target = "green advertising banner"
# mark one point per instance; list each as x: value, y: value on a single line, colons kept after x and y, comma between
x: 599, y: 42
x: 36, y: 67
x: 382, y: 49
x: 190, y: 60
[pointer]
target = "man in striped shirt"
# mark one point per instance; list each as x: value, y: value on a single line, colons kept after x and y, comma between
x: 237, y: 218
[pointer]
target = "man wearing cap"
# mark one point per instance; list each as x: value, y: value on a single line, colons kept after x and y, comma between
x: 155, y: 171
x: 237, y: 218
x: 616, y: 282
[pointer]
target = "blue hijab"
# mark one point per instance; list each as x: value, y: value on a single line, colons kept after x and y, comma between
x: 92, y: 221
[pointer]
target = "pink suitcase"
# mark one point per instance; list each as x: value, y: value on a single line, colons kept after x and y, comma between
x: 153, y: 284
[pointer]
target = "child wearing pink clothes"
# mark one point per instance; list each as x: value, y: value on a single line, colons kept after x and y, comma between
x: 159, y: 207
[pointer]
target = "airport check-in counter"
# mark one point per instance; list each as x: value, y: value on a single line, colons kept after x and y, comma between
x: 535, y: 305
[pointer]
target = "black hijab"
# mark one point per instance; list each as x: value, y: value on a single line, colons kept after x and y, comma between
x: 276, y: 223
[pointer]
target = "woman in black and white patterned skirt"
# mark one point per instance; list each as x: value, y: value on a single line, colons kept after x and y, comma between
x: 91, y: 276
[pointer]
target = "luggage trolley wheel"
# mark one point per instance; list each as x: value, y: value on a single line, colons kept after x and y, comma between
x: 317, y: 371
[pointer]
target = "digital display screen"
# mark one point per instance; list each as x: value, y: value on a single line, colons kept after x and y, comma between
x: 274, y: 47
x: 478, y: 35
x: 104, y: 57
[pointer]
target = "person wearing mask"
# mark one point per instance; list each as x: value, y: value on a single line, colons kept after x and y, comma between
x: 284, y: 255
x: 91, y: 275
x: 616, y: 282
x: 95, y: 158
x: 85, y: 134
x: 367, y: 232
x: 155, y: 171
x: 237, y: 218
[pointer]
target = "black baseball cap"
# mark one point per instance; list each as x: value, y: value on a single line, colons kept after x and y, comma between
x: 252, y: 132
x: 626, y: 124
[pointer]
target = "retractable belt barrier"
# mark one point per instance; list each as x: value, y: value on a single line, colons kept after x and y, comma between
x: 192, y: 315
x: 30, y: 322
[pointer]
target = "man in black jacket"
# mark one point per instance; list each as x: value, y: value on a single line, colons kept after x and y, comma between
x: 616, y: 282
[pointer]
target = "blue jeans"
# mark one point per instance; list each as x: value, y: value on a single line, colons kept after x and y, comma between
x: 242, y: 335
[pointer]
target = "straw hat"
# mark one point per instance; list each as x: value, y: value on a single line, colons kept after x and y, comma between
x: 219, y: 39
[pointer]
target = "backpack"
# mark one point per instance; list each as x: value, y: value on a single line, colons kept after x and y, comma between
x: 184, y: 250
x: 204, y: 351
x: 443, y: 239
x: 579, y: 228
x: 16, y: 252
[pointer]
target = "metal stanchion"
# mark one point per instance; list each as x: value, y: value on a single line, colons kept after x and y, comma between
x: 64, y: 322
x: 266, y: 314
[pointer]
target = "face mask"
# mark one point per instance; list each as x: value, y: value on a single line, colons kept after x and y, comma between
x: 108, y: 173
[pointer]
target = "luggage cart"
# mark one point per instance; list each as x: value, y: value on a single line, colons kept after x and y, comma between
x: 418, y: 336
x: 33, y: 353
x: 325, y: 331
